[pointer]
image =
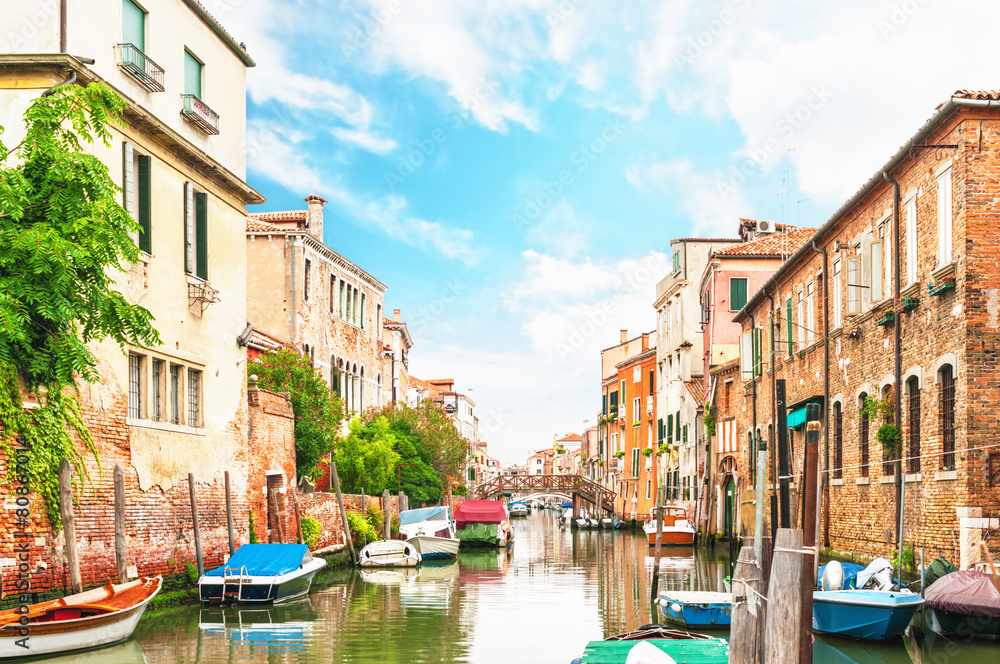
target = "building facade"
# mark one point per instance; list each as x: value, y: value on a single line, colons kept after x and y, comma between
x: 638, y: 454
x: 396, y: 345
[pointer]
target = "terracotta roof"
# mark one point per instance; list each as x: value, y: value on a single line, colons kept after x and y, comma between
x: 570, y: 437
x: 285, y: 215
x: 769, y: 245
x: 255, y: 225
x: 696, y: 388
x: 976, y: 94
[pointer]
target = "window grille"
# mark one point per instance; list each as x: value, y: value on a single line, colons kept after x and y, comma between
x: 134, y: 385
x: 838, y: 441
x: 157, y: 370
x: 914, y: 404
x: 948, y: 418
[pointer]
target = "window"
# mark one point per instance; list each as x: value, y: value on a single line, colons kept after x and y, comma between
x: 652, y: 383
x: 193, y: 69
x: 837, y: 297
x: 737, y: 293
x: 788, y: 320
x: 727, y: 393
x: 333, y: 291
x: 174, y: 392
x: 194, y: 401
x: 156, y: 377
x: 649, y: 488
x: 614, y: 443
x: 134, y: 385
x: 362, y: 314
x: 623, y: 392
x: 133, y: 25
x: 838, y: 441
x: 354, y: 319
x: 948, y: 417
x: 341, y: 309
x: 670, y: 429
x: 802, y: 320
x: 705, y: 308
x: 636, y: 374
x: 911, y: 240
x: 306, y: 281
x: 614, y: 402
x: 944, y: 217
x: 853, y: 286
x: 677, y: 260
x: 334, y: 377
x: 913, y: 389
x: 136, y: 198
x: 875, y: 267
x: 604, y: 405
x: 378, y: 319
x: 195, y: 232
x: 636, y: 410
x: 635, y: 462
x: 757, y: 362
x: 863, y: 442
x: 810, y: 313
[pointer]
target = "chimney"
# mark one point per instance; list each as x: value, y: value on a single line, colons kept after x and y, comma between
x: 314, y: 216
x: 624, y: 336
x: 395, y: 314
x: 645, y: 341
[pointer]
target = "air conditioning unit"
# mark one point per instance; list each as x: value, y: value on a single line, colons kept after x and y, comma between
x: 764, y: 227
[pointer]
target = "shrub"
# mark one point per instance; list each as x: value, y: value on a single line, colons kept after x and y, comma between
x: 619, y: 454
x: 461, y: 490
x: 361, y: 531
x: 192, y: 573
x: 647, y: 451
x: 253, y: 531
x: 310, y: 531
x: 375, y: 517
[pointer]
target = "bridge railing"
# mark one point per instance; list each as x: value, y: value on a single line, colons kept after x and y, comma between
x: 585, y: 487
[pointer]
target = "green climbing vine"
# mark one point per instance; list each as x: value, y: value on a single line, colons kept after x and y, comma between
x: 709, y: 420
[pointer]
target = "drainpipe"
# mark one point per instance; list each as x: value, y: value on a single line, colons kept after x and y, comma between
x: 291, y: 294
x: 823, y: 488
x: 774, y: 423
x: 62, y: 26
x: 898, y: 375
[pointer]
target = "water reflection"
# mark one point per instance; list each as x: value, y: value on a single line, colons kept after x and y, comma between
x: 540, y: 602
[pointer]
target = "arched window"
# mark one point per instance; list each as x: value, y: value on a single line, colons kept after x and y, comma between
x: 947, y: 374
x: 863, y: 437
x: 913, y: 403
x: 334, y: 377
x: 838, y: 441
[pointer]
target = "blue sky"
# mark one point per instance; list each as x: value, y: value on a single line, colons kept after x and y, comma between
x: 514, y: 170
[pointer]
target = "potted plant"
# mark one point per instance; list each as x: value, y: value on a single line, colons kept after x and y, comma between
x: 619, y: 454
x: 647, y: 451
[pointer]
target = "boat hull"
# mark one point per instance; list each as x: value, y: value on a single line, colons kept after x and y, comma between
x: 435, y: 548
x: 390, y: 553
x: 672, y: 538
x: 697, y: 610
x: 870, y: 615
x: 66, y: 636
x: 260, y: 589
x: 960, y: 624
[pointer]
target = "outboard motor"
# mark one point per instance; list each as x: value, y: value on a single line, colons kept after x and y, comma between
x: 833, y: 576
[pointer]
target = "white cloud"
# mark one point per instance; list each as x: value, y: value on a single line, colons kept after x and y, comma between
x: 561, y: 230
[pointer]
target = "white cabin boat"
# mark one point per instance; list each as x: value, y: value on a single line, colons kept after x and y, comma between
x: 431, y: 530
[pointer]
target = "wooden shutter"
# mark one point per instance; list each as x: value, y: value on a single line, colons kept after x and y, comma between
x: 677, y: 424
x: 145, y: 204
x: 670, y: 429
x: 362, y: 311
x: 133, y: 25
x: 128, y: 178
x: 789, y: 325
x: 737, y: 294
x: 201, y: 244
x: 189, y: 228
x: 192, y: 75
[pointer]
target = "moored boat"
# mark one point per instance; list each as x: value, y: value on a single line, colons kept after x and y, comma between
x: 656, y: 643
x: 260, y: 573
x: 91, y: 619
x: 677, y: 530
x: 696, y: 609
x: 483, y: 523
x: 517, y: 508
x: 871, y: 615
x: 431, y: 530
x: 389, y: 553
x: 965, y: 603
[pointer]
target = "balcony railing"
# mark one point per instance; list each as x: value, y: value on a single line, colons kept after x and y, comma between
x: 200, y: 114
x: 140, y: 67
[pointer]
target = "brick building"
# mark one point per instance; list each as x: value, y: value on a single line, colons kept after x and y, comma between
x: 947, y: 315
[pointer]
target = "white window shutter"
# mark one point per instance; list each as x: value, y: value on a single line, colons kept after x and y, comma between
x: 189, y: 228
x: 128, y: 179
x: 746, y: 356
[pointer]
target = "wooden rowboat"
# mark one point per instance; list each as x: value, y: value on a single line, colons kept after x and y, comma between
x: 91, y: 619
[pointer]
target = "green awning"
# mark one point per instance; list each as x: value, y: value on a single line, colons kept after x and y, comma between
x: 796, y: 418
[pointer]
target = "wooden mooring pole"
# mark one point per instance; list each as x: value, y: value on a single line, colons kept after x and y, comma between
x: 69, y: 528
x: 810, y: 495
x: 343, y: 512
x: 229, y: 517
x: 387, y: 514
x: 121, y: 561
x: 656, y: 555
x: 298, y: 516
x: 197, y: 531
x: 277, y: 515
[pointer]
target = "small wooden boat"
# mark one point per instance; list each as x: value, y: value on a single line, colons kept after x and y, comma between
x: 657, y: 643
x: 431, y: 530
x: 389, y: 553
x: 260, y: 573
x: 483, y: 523
x: 677, y: 530
x: 611, y: 523
x: 696, y: 609
x: 90, y: 619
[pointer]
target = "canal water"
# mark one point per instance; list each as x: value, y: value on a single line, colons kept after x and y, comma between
x: 541, y: 602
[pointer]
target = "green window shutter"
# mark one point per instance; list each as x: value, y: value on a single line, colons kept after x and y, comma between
x: 133, y: 25
x: 677, y: 423
x: 737, y: 294
x: 192, y: 75
x: 685, y: 433
x: 362, y: 311
x: 201, y: 222
x: 670, y: 429
x: 145, y: 204
x: 189, y: 226
x: 604, y: 405
x: 788, y: 319
x: 756, y: 351
x: 659, y: 431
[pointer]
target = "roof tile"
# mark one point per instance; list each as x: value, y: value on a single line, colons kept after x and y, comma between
x: 784, y: 244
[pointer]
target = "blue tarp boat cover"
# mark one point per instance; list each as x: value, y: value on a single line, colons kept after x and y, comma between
x: 568, y: 504
x: 265, y: 559
x: 436, y: 513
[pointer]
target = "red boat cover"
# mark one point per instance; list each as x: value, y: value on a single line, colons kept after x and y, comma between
x: 967, y: 592
x: 479, y: 511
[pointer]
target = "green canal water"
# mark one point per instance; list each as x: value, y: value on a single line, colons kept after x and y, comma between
x: 541, y: 602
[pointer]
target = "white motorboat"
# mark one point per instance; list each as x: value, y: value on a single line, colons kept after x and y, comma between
x: 389, y: 553
x: 517, y: 508
x: 431, y: 530
x: 261, y: 573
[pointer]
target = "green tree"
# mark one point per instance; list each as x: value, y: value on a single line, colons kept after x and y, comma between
x: 415, y: 476
x: 436, y: 432
x: 318, y: 414
x: 63, y: 238
x: 366, y: 459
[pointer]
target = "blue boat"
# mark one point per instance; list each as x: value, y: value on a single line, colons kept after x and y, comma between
x: 872, y: 615
x: 261, y: 573
x: 697, y: 609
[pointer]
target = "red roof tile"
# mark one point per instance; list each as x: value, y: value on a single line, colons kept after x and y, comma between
x: 255, y: 225
x: 784, y: 244
x: 696, y: 388
x: 285, y: 215
x: 976, y: 94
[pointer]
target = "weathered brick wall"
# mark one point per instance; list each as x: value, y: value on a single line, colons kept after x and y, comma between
x: 961, y: 324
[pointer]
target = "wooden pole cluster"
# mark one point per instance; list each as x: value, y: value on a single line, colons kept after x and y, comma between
x: 784, y: 600
x: 69, y: 528
x: 745, y: 634
x: 229, y: 517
